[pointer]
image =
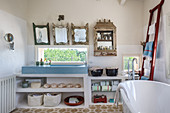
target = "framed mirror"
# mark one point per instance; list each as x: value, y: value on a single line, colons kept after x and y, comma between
x: 80, y: 34
x: 60, y: 34
x: 41, y: 34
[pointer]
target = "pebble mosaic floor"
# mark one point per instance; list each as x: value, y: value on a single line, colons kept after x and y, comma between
x: 91, y: 109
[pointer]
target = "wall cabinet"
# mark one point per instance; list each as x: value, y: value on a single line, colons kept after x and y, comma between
x: 105, y: 39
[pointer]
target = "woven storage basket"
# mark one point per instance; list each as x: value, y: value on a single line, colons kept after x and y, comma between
x: 35, y: 100
x: 53, y: 100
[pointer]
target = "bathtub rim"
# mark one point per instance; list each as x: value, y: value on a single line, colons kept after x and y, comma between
x: 127, y: 102
x: 125, y: 98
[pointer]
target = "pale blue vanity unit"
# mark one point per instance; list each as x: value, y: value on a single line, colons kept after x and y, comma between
x: 74, y: 74
x: 55, y: 69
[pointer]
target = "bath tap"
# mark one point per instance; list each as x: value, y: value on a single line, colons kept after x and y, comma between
x: 129, y: 74
x: 133, y: 71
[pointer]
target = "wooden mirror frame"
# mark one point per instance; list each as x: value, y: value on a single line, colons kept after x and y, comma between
x: 105, y: 26
x: 73, y: 33
x: 48, y: 35
x: 60, y: 26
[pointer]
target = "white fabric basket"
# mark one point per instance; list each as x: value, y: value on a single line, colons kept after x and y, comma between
x: 53, y: 100
x: 35, y: 100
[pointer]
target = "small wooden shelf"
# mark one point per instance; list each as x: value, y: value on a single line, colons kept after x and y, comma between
x: 104, y: 40
x: 104, y: 51
x: 22, y: 90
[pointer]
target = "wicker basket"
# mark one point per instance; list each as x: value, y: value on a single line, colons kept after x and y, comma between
x: 35, y: 99
x: 53, y: 100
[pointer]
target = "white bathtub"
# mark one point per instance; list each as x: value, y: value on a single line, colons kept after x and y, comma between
x: 145, y: 97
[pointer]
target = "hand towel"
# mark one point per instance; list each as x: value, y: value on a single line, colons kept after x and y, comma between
x: 148, y: 49
x: 152, y: 29
x: 61, y: 35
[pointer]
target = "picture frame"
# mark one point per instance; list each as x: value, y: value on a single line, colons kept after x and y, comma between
x: 60, y: 34
x: 41, y: 34
x: 80, y: 35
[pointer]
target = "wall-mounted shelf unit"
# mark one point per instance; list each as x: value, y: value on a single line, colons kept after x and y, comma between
x: 53, y: 78
x: 109, y: 94
x: 105, y: 39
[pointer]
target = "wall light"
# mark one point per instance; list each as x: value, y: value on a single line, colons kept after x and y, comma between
x: 10, y: 39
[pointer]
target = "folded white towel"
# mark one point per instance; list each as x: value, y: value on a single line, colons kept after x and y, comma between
x: 147, y: 72
x: 147, y: 64
x: 152, y: 29
x: 61, y: 35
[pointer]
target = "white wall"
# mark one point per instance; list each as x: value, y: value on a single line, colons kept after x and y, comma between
x: 160, y: 70
x: 15, y: 7
x: 11, y: 61
x: 127, y: 18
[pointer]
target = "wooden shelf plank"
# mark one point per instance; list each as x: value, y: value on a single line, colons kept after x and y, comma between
x: 104, y: 40
x: 104, y: 50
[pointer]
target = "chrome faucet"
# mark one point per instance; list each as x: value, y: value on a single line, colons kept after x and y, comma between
x: 133, y: 71
x: 129, y: 74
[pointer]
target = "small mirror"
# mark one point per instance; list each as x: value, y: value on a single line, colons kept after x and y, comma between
x: 41, y: 34
x: 60, y: 34
x: 10, y: 38
x: 80, y: 34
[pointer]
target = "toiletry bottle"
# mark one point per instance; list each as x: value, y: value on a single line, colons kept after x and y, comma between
x: 49, y: 62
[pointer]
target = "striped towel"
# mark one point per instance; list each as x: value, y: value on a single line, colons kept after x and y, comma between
x: 148, y: 49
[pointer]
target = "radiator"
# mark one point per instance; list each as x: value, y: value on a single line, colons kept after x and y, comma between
x: 7, y: 94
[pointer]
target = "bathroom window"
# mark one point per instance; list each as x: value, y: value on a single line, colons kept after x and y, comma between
x: 66, y: 55
x: 130, y: 57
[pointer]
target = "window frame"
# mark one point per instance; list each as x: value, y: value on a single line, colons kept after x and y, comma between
x: 61, y: 46
x: 131, y: 55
